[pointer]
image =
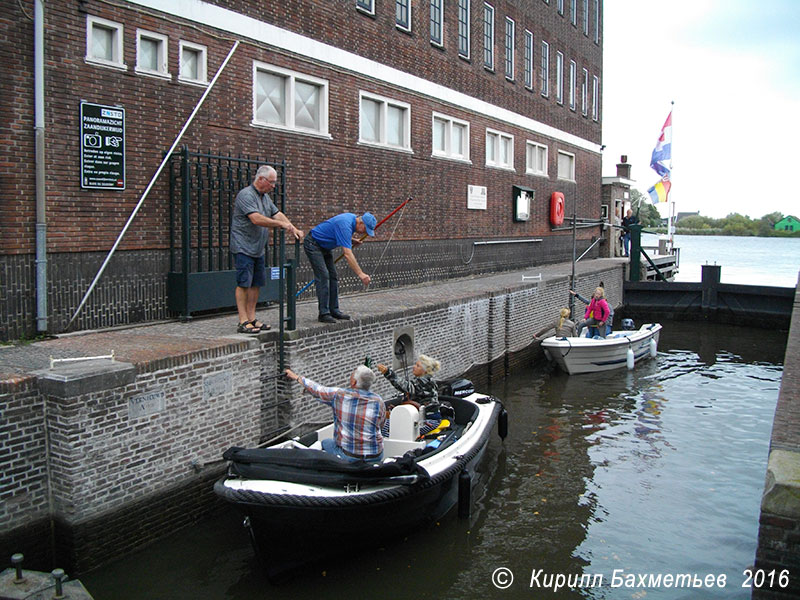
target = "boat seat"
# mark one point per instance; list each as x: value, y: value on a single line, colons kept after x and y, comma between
x: 404, y: 423
x: 323, y: 433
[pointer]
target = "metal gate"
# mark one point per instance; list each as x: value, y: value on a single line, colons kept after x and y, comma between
x: 202, y: 277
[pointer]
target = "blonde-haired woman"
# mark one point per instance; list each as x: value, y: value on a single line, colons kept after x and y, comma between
x: 563, y: 326
x: 419, y: 390
x: 597, y: 313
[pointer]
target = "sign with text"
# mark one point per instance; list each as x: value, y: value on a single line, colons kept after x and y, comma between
x: 476, y: 197
x: 102, y: 146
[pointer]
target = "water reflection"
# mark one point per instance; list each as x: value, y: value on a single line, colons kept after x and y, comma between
x: 656, y: 470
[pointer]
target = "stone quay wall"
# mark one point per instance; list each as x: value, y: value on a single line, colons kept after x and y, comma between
x: 98, y: 459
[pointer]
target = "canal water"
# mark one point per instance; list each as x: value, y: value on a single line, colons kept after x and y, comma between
x: 653, y: 472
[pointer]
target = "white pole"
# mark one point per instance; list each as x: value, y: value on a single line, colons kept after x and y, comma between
x: 152, y: 182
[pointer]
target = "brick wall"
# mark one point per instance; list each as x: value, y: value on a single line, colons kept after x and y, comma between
x: 133, y: 450
x: 325, y: 176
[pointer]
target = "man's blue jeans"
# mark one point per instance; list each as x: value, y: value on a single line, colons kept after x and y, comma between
x: 325, y: 278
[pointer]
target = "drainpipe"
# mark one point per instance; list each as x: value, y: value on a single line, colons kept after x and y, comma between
x: 41, y: 212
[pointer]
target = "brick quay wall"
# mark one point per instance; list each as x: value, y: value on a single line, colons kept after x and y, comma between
x: 778, y: 551
x: 100, y: 458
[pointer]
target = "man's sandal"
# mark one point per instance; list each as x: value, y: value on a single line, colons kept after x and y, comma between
x: 260, y: 327
x: 247, y: 327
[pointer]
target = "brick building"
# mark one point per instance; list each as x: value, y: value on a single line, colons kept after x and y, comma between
x: 461, y: 104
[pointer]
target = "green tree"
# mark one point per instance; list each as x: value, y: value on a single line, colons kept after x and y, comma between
x: 647, y: 212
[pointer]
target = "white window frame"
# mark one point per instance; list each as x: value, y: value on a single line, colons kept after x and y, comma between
x: 488, y: 35
x: 571, y: 176
x: 597, y: 21
x: 585, y: 93
x: 530, y: 167
x: 448, y: 152
x: 384, y: 106
x: 560, y: 7
x: 464, y: 34
x: 202, y: 67
x: 117, y: 60
x: 544, y: 70
x: 586, y: 18
x: 163, y: 53
x: 595, y: 98
x: 398, y: 23
x: 510, y: 36
x: 366, y: 6
x: 437, y: 6
x: 573, y: 82
x: 291, y: 78
x: 573, y: 12
x: 499, y: 135
x: 528, y: 59
x: 560, y: 77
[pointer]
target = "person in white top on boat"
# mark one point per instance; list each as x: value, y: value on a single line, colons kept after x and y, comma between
x: 563, y: 326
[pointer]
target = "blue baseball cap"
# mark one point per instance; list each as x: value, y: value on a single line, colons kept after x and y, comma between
x: 370, y: 222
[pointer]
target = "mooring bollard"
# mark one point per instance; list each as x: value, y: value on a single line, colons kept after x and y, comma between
x: 58, y: 575
x: 16, y: 560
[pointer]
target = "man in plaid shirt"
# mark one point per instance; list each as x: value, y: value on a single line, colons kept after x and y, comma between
x: 358, y: 415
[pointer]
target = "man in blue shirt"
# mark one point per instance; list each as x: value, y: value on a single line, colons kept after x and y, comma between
x: 253, y: 213
x: 336, y: 232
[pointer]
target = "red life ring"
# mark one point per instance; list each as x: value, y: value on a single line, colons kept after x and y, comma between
x: 556, y: 209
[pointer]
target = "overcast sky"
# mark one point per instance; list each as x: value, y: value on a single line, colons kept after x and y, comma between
x: 732, y: 67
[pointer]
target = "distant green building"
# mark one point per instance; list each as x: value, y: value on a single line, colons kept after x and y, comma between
x: 788, y: 223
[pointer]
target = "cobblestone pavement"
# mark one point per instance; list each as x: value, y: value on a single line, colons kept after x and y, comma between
x: 143, y: 343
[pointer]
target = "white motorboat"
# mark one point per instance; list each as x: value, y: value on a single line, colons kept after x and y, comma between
x: 617, y: 350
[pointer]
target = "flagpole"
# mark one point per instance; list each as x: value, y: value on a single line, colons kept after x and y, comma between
x: 671, y: 228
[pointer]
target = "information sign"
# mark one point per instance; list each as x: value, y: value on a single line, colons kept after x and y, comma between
x: 102, y: 146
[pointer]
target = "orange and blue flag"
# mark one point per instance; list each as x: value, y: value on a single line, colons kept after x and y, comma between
x: 660, y: 191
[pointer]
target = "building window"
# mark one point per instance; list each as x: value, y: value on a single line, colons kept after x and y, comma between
x: 151, y: 53
x: 510, y: 30
x: 585, y: 93
x: 595, y: 98
x: 528, y: 60
x: 402, y: 14
x: 573, y: 12
x: 560, y: 7
x: 566, y: 166
x: 193, y: 63
x: 586, y: 17
x: 463, y: 28
x: 385, y: 122
x: 535, y: 159
x: 573, y: 82
x: 450, y: 137
x: 289, y: 100
x: 544, y: 70
x: 596, y: 21
x: 559, y: 78
x: 367, y: 6
x: 499, y: 150
x: 437, y: 36
x: 488, y: 37
x: 104, y: 42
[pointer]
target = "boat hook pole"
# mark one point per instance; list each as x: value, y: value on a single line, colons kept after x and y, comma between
x: 152, y: 182
x: 574, y: 252
x: 361, y: 239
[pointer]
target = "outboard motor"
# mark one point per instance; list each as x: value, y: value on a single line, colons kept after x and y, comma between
x: 627, y: 325
x: 458, y: 387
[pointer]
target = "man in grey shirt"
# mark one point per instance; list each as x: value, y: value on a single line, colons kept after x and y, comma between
x: 253, y: 213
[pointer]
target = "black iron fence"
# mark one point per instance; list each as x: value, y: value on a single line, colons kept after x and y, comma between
x: 202, y: 191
